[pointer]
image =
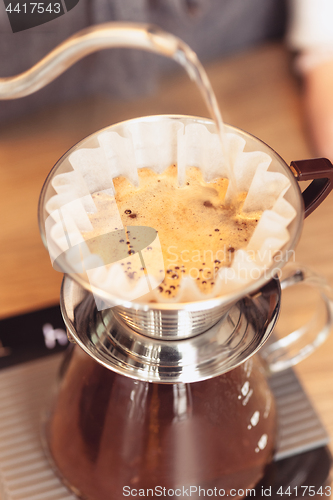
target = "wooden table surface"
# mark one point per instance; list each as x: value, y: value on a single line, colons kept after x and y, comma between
x: 256, y: 92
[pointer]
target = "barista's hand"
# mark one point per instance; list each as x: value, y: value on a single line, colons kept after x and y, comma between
x: 318, y: 95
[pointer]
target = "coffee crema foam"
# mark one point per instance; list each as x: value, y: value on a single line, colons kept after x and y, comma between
x: 198, y: 233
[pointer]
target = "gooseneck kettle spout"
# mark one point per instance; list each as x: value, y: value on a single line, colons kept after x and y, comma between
x: 104, y: 36
x: 83, y: 43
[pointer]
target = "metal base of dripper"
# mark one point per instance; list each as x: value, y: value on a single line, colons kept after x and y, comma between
x: 241, y: 332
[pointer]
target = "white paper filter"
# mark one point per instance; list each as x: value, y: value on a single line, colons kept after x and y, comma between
x: 157, y: 145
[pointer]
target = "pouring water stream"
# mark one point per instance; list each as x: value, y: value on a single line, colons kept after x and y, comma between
x: 131, y: 35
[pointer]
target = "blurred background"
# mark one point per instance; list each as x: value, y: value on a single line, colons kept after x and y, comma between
x: 270, y: 65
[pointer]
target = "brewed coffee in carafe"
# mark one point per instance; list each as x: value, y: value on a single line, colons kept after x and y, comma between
x: 109, y: 434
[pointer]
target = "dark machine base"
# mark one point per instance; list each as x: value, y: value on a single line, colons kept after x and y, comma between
x: 305, y: 475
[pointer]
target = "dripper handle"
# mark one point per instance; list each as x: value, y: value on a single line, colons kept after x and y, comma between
x: 320, y: 172
x: 299, y: 344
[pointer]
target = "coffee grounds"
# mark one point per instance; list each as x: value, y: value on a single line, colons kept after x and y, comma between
x: 191, y: 221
